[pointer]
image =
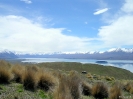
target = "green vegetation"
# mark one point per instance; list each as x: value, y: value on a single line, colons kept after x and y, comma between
x: 111, y: 71
x: 64, y: 80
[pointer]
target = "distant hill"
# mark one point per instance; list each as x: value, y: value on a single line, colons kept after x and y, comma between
x: 116, y: 72
x: 113, y: 54
x: 7, y: 55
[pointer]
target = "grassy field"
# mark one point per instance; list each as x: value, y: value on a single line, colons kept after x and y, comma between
x: 64, y: 80
x: 118, y: 73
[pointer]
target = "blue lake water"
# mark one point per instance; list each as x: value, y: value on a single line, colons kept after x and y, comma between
x: 125, y: 64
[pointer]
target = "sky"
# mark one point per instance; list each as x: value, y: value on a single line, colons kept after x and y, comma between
x: 65, y: 25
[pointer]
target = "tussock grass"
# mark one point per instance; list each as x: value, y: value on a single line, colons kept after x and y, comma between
x: 75, y: 85
x: 62, y: 91
x: 47, y: 81
x: 116, y: 92
x: 30, y: 79
x: 69, y: 86
x: 87, y: 89
x: 110, y: 71
x: 129, y: 87
x: 100, y: 90
x: 89, y: 76
x: 61, y: 84
x: 5, y: 73
x: 18, y: 71
x: 35, y: 68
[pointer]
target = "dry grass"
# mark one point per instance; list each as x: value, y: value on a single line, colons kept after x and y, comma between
x: 61, y: 84
x: 17, y: 70
x: 30, y: 79
x: 129, y: 87
x: 46, y: 81
x: 75, y: 85
x: 35, y: 68
x: 100, y: 91
x: 5, y: 73
x: 115, y: 92
x: 69, y: 86
x: 89, y: 76
x: 62, y: 91
x: 87, y: 90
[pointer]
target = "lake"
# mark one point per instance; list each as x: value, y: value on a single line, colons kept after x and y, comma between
x: 125, y: 64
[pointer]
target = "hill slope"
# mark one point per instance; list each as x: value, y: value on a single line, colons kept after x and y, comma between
x: 91, y: 68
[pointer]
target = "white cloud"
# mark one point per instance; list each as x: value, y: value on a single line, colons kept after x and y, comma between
x: 128, y: 6
x: 100, y: 11
x: 119, y: 32
x: 18, y: 33
x: 27, y: 1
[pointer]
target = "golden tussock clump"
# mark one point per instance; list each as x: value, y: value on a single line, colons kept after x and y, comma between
x: 87, y: 90
x: 5, y: 73
x: 35, y: 68
x: 129, y: 87
x: 75, y: 84
x: 30, y: 79
x: 89, y: 76
x: 47, y: 81
x: 100, y: 91
x: 18, y: 71
x: 115, y: 92
x: 62, y: 91
x: 70, y: 86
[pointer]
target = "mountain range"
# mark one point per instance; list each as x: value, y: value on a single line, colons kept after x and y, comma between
x: 111, y: 54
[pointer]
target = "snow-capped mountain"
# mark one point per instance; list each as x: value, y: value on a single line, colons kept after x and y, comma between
x: 121, y: 49
x: 7, y: 54
x: 114, y: 54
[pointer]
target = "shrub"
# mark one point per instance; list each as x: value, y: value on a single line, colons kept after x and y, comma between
x: 5, y: 74
x: 62, y: 91
x: 115, y: 92
x: 89, y: 75
x: 30, y: 79
x: 5, y: 64
x: 112, y: 78
x: 18, y: 72
x: 108, y: 78
x: 75, y: 85
x: 100, y: 91
x: 46, y: 80
x: 35, y: 68
x: 69, y: 86
x: 129, y: 87
x: 86, y: 89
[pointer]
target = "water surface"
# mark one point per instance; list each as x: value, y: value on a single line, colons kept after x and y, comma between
x: 125, y: 64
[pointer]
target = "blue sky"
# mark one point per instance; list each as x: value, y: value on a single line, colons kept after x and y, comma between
x: 65, y: 25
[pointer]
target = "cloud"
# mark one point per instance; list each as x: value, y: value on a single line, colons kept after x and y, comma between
x: 119, y: 32
x: 27, y: 1
x: 18, y: 33
x: 100, y: 11
x: 128, y: 6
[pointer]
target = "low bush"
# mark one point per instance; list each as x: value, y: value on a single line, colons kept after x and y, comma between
x: 99, y: 91
x: 30, y: 79
x: 87, y: 90
x: 115, y: 92
x: 18, y: 71
x: 46, y: 80
x: 5, y: 73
